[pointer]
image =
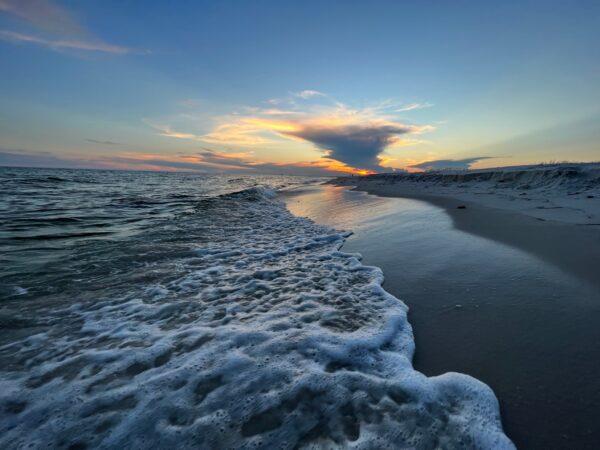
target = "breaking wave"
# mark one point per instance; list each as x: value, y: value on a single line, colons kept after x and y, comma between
x: 237, y: 325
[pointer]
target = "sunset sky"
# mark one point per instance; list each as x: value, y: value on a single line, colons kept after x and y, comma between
x: 298, y: 87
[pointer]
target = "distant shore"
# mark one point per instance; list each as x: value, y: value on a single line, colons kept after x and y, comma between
x: 560, y: 193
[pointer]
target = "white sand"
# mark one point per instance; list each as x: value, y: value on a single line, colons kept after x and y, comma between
x: 567, y: 193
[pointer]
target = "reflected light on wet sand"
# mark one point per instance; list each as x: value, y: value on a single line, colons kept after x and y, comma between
x: 478, y: 306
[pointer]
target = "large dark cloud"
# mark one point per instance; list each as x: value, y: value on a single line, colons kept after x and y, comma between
x: 441, y: 164
x: 355, y: 145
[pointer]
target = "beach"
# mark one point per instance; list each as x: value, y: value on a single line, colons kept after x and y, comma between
x: 494, y: 293
x: 315, y: 315
x: 299, y: 225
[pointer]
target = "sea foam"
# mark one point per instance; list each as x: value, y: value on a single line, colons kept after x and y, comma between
x: 262, y: 334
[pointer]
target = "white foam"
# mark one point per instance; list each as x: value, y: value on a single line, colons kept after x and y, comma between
x: 268, y: 336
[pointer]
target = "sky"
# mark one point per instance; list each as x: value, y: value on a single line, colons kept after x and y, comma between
x: 298, y: 87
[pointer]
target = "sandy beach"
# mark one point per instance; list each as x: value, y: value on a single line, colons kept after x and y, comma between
x: 565, y: 193
x: 494, y: 293
x: 557, y: 222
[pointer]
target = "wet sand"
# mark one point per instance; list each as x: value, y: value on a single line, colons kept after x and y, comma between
x: 573, y: 248
x: 509, y: 299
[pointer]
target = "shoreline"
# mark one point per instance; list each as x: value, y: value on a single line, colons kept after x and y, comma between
x: 573, y: 248
x: 482, y: 307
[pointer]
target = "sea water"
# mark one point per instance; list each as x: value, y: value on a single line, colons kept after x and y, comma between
x: 179, y: 310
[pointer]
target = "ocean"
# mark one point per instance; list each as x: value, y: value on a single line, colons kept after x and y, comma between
x: 143, y: 309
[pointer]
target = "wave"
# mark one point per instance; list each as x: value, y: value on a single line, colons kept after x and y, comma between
x: 254, y: 331
x: 47, y: 237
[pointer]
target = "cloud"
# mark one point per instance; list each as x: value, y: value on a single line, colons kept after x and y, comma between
x: 308, y: 93
x: 205, y: 161
x: 59, y: 28
x: 212, y: 158
x: 413, y: 106
x: 209, y: 161
x: 44, y: 15
x: 241, y: 134
x: 95, y: 141
x: 62, y: 44
x: 355, y: 145
x: 356, y: 138
x: 167, y: 131
x: 189, y: 103
x: 191, y: 163
x: 278, y: 112
x: 346, y: 136
x: 441, y: 164
x: 22, y: 158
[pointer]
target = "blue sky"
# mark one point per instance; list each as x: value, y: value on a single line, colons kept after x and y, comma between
x: 298, y: 87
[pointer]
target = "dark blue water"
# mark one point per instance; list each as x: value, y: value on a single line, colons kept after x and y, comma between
x: 62, y: 226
